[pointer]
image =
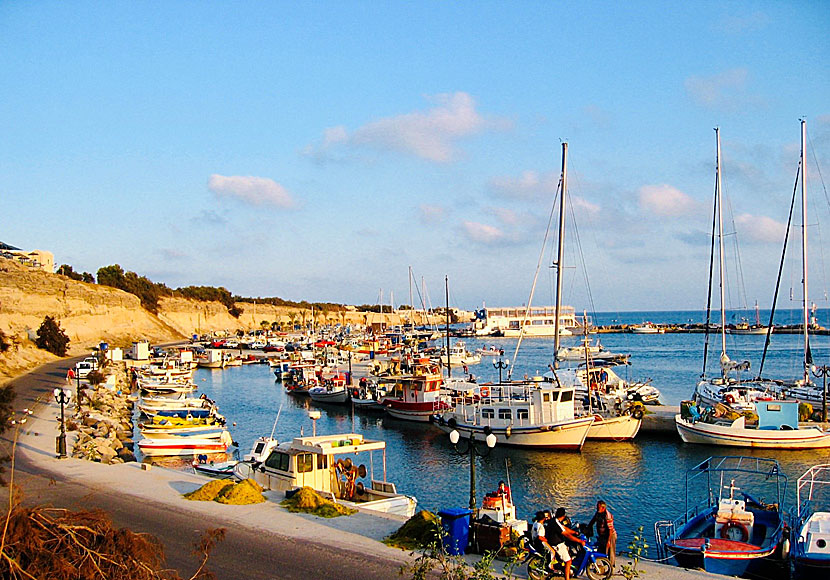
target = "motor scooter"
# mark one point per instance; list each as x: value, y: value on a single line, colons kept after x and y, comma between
x: 587, y: 560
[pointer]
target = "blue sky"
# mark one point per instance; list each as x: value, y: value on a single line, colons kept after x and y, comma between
x: 317, y: 150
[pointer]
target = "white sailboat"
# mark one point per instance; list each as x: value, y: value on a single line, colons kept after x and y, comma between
x: 778, y: 426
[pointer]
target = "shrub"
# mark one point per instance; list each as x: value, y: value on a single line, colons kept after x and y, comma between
x: 95, y: 378
x: 4, y: 342
x: 51, y: 337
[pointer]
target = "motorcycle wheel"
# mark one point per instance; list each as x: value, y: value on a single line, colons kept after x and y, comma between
x: 536, y: 569
x: 599, y: 569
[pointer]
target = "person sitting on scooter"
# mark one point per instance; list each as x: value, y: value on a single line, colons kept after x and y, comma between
x: 538, y: 535
x: 557, y: 533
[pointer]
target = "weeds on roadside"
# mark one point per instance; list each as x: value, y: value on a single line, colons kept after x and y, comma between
x: 636, y: 550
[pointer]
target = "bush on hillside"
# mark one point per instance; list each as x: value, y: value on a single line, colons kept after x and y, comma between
x: 51, y: 337
x: 146, y: 290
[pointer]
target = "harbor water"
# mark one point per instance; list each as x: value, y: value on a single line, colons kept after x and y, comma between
x: 642, y: 481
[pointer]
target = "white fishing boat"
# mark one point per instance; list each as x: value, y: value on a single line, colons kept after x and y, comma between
x: 335, y: 393
x: 646, y: 328
x: 333, y: 466
x: 811, y: 545
x: 183, y: 446
x: 777, y: 428
x: 236, y: 468
x: 588, y: 350
x: 533, y: 414
x: 460, y: 356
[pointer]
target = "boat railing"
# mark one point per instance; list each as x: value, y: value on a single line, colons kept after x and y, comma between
x: 663, y: 530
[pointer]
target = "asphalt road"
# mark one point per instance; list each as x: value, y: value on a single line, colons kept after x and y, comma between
x: 243, y: 553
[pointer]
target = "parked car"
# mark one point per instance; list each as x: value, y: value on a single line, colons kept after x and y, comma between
x: 83, y: 368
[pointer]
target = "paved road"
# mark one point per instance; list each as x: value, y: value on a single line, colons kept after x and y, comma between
x: 243, y: 554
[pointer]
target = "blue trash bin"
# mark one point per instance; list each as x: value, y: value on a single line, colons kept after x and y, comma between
x: 455, y: 523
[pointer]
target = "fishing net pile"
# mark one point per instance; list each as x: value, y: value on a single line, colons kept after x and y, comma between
x: 419, y: 531
x: 306, y: 500
x: 245, y: 492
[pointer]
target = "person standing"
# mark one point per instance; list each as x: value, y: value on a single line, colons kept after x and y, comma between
x: 606, y: 534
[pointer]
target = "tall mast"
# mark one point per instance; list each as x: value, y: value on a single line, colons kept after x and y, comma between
x: 719, y: 203
x: 447, y: 292
x: 560, y: 252
x: 411, y: 304
x: 804, y: 249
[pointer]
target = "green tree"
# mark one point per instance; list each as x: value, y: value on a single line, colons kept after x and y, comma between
x: 51, y: 337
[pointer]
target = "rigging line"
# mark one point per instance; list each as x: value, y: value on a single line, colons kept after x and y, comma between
x: 738, y: 263
x: 582, y: 261
x: 535, y: 276
x: 824, y: 188
x: 711, y: 277
x: 575, y: 173
x: 798, y: 172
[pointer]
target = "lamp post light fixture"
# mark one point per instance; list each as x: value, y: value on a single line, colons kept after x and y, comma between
x: 472, y: 450
x: 822, y: 372
x: 62, y: 396
x: 501, y: 363
x: 314, y: 415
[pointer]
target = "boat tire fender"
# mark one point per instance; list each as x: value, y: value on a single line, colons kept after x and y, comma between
x: 726, y: 531
x: 730, y: 400
x: 452, y: 423
x: 637, y: 413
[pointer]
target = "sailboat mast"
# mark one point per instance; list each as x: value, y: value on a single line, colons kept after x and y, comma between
x: 447, y: 292
x: 560, y: 252
x: 411, y: 304
x: 719, y: 202
x: 804, y: 249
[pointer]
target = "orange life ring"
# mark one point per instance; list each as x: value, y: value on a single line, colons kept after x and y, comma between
x: 727, y: 531
x: 730, y: 400
x: 484, y: 391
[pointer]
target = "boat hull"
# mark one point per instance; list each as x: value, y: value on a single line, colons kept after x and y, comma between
x: 726, y: 435
x: 189, y: 446
x: 622, y: 428
x: 335, y: 397
x: 564, y: 436
x: 420, y: 412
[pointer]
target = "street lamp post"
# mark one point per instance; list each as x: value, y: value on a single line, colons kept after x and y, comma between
x: 62, y: 396
x: 501, y: 363
x: 489, y: 440
x: 822, y: 372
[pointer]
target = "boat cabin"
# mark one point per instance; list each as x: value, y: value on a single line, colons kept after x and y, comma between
x: 777, y: 414
x: 518, y: 405
x: 332, y: 466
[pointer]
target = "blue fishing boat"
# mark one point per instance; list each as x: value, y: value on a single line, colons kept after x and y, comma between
x: 811, y: 545
x: 724, y: 529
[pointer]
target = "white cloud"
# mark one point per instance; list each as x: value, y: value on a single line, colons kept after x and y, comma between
x: 528, y: 185
x: 761, y: 228
x: 665, y: 200
x: 430, y: 134
x: 432, y: 213
x: 582, y: 204
x: 482, y: 233
x: 253, y: 190
x: 725, y: 90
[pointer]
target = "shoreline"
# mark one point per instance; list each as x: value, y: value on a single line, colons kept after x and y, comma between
x: 356, y: 537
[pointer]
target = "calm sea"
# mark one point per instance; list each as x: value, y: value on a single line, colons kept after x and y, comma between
x: 642, y: 481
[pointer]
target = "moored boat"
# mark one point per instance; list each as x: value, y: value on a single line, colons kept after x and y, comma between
x: 533, y: 414
x: 416, y: 396
x: 184, y: 446
x: 811, y: 527
x: 777, y: 428
x: 329, y: 465
x: 730, y: 534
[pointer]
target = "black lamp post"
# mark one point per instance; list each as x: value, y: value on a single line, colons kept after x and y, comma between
x: 822, y: 372
x: 501, y: 363
x: 62, y: 396
x: 490, y: 441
